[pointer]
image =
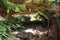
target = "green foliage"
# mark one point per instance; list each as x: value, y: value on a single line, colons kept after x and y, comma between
x: 22, y: 6
x: 13, y: 38
x: 13, y: 23
x: 12, y: 6
x: 2, y: 30
x: 7, y: 26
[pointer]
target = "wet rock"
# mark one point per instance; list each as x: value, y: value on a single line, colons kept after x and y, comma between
x: 23, y: 35
x: 28, y: 33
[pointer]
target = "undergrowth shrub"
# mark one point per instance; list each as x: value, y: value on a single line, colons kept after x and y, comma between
x: 9, y: 25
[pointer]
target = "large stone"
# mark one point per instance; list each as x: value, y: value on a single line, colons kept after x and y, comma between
x: 29, y: 33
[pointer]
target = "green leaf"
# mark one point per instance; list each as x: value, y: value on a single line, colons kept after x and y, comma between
x: 4, y: 2
x: 8, y: 10
x: 13, y: 38
x: 0, y: 37
x: 23, y: 6
x: 17, y: 9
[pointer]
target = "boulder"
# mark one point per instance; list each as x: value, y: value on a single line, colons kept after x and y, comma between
x: 29, y: 33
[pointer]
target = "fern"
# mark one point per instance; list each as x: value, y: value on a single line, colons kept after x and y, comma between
x: 22, y: 6
x: 12, y: 6
x: 7, y: 26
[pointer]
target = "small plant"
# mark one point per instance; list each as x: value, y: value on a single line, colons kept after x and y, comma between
x: 7, y: 26
x: 12, y: 6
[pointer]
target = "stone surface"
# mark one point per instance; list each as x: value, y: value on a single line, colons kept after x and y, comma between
x: 29, y: 33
